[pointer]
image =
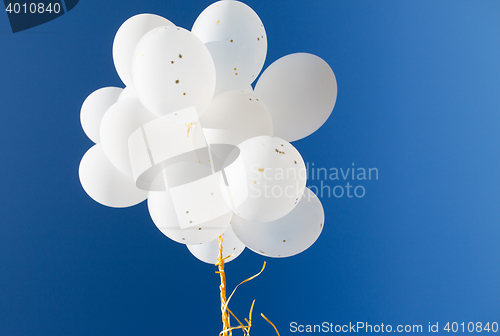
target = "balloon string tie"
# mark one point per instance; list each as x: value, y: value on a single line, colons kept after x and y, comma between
x: 226, y: 324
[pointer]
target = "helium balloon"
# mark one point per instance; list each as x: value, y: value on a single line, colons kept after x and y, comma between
x: 300, y: 91
x: 265, y: 181
x: 236, y: 39
x: 118, y: 123
x: 105, y: 184
x: 127, y: 93
x: 126, y: 38
x: 193, y: 213
x: 209, y: 252
x: 160, y: 144
x: 234, y: 117
x: 94, y: 107
x: 287, y: 236
x: 172, y: 70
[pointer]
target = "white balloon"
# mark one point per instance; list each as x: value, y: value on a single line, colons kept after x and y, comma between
x: 172, y: 70
x: 94, y: 107
x: 126, y: 38
x: 300, y: 91
x: 105, y: 184
x: 235, y: 116
x: 128, y: 93
x: 266, y: 181
x: 209, y: 252
x: 193, y: 213
x: 237, y: 41
x: 118, y: 123
x: 248, y: 88
x: 287, y: 236
x: 161, y: 143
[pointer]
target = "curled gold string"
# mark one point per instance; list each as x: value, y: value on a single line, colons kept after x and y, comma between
x: 271, y: 323
x: 226, y: 324
x: 227, y: 330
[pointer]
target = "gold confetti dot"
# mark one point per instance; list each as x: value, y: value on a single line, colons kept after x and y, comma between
x: 199, y: 229
x: 142, y: 55
x: 236, y: 74
x: 231, y: 41
x: 235, y: 69
x: 295, y: 162
x: 190, y: 221
x: 284, y: 241
x: 187, y: 212
x: 217, y: 20
x: 254, y: 182
x: 261, y: 169
x: 176, y: 81
x: 172, y: 62
x: 258, y: 39
x: 184, y: 94
x: 180, y: 56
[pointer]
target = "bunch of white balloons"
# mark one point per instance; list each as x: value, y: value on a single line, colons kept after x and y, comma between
x: 210, y: 154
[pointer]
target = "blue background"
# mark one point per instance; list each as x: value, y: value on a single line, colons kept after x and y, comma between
x: 419, y: 99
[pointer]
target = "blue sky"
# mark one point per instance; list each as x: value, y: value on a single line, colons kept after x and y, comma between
x: 418, y: 99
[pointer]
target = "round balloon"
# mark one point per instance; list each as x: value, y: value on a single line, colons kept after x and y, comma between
x: 300, y: 91
x: 94, y: 107
x: 118, y: 123
x: 105, y: 184
x: 193, y: 213
x: 209, y: 252
x: 235, y: 116
x: 172, y: 71
x: 127, y: 93
x: 286, y: 236
x: 236, y: 39
x: 265, y: 181
x: 126, y: 38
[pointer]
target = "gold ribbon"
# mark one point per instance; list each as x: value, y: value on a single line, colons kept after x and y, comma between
x: 227, y: 330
